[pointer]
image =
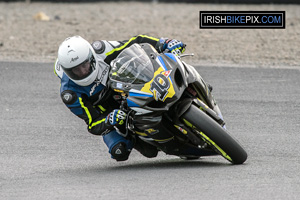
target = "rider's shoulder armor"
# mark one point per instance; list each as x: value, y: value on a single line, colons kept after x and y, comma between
x: 69, y: 97
x: 102, y: 47
x: 98, y: 46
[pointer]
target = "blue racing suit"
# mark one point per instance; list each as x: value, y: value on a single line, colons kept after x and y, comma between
x: 94, y: 102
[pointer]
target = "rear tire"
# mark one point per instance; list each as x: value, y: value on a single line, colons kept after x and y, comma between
x: 215, y: 135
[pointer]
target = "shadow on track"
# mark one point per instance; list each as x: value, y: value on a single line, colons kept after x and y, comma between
x: 167, y: 164
x: 148, y: 166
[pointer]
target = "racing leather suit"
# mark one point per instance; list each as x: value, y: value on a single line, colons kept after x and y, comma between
x: 94, y: 102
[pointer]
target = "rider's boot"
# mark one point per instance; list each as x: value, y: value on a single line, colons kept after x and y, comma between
x: 119, y: 147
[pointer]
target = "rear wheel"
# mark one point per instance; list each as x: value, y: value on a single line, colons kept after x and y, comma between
x: 213, y: 134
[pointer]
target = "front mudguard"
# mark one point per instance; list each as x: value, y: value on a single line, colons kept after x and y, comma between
x: 195, y: 80
x: 198, y: 83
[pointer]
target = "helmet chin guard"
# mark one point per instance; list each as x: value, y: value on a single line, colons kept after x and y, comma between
x: 78, y: 60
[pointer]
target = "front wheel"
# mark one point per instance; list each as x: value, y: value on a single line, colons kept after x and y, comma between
x: 213, y: 134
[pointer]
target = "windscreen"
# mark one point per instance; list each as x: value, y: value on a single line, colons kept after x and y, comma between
x: 132, y: 66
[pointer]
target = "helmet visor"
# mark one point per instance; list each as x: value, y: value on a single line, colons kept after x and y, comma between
x: 82, y: 70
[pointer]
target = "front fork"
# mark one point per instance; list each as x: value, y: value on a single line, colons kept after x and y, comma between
x: 213, y: 113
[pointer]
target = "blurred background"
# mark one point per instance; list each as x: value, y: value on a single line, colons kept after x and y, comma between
x: 32, y: 30
x: 180, y: 1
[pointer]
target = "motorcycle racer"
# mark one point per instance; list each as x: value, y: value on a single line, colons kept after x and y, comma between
x: 83, y: 69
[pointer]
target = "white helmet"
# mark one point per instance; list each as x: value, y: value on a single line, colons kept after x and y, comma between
x: 77, y: 58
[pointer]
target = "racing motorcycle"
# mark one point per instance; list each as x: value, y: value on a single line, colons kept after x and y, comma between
x: 170, y: 106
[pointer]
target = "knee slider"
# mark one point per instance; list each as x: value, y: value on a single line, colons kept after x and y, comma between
x: 120, y: 152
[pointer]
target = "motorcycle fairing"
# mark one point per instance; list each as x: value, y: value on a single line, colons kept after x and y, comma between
x: 168, y: 82
x: 161, y: 86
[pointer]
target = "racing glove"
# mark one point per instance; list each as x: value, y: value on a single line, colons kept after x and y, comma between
x: 174, y: 46
x: 116, y: 118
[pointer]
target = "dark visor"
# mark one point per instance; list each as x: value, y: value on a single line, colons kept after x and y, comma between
x: 82, y: 70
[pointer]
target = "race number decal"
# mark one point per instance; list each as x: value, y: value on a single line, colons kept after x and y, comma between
x: 159, y: 87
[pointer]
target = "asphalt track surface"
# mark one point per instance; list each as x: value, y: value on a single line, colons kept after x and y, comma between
x: 47, y: 153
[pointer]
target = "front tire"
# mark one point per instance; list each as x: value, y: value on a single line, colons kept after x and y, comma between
x: 212, y: 133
